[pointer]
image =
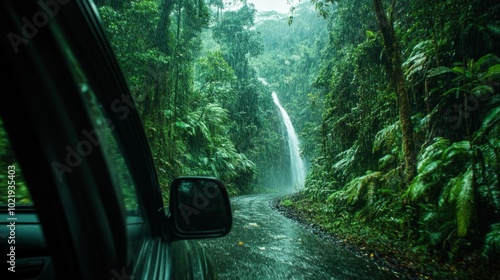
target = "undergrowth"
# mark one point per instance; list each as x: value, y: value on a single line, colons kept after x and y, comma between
x: 385, y: 243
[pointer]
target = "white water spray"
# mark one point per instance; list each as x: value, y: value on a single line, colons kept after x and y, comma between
x: 298, y: 170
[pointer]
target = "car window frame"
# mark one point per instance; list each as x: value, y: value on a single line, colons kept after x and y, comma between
x: 25, y: 118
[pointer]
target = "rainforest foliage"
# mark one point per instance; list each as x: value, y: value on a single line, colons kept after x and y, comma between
x: 204, y: 110
x: 396, y: 104
x: 444, y: 60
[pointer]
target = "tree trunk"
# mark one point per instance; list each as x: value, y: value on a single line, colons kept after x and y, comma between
x: 161, y: 35
x: 393, y: 52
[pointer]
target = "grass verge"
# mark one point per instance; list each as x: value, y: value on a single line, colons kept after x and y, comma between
x: 390, y: 249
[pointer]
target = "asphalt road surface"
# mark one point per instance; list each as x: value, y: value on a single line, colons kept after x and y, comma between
x: 263, y: 244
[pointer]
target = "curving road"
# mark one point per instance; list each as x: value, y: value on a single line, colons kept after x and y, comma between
x: 263, y: 244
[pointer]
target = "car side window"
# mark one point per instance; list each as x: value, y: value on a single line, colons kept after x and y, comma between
x: 13, y: 189
x: 102, y: 134
x: 114, y: 155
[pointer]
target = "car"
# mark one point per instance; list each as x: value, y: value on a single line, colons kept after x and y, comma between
x: 93, y: 206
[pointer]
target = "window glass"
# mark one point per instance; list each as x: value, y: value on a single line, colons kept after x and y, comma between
x: 13, y: 189
x: 119, y: 169
x: 102, y: 135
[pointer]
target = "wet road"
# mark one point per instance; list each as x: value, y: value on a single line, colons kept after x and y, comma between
x: 263, y: 244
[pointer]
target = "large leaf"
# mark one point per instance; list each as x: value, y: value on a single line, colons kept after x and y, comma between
x: 387, y: 137
x: 361, y: 187
x: 417, y: 188
x: 491, y: 120
x: 463, y: 194
x: 493, y: 73
x: 182, y: 124
x: 486, y: 60
x: 457, y: 153
x: 444, y: 70
x: 482, y: 89
x: 432, y: 153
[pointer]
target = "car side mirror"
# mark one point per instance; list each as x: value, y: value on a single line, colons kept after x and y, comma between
x: 199, y: 208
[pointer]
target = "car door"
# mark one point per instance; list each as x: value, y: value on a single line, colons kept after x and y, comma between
x: 50, y: 117
x: 83, y: 150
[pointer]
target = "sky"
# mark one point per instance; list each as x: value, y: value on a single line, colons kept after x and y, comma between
x: 271, y: 5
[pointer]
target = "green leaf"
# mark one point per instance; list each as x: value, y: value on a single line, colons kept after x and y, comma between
x: 493, y: 72
x: 417, y: 188
x: 387, y: 137
x: 482, y: 89
x: 494, y: 28
x: 487, y: 59
x: 182, y: 124
x: 458, y: 152
x: 370, y: 34
x: 439, y: 71
x: 458, y: 70
x: 491, y: 119
x: 492, y: 243
x: 465, y: 201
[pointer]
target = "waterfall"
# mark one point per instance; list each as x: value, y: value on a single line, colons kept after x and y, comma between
x: 297, y: 164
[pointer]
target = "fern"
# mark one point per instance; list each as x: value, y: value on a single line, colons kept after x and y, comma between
x: 445, y: 172
x: 488, y: 168
x: 346, y: 159
x: 492, y: 243
x: 432, y: 153
x: 429, y: 169
x: 419, y: 58
x: 436, y: 224
x: 463, y: 194
x: 359, y: 188
x: 417, y: 188
x: 386, y: 161
x: 490, y: 121
x: 457, y: 156
x: 387, y: 137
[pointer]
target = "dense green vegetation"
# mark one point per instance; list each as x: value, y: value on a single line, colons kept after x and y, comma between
x: 396, y: 104
x: 435, y: 178
x: 204, y: 109
x: 8, y: 162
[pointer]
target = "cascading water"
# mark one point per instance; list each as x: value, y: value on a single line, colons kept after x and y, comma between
x: 297, y: 164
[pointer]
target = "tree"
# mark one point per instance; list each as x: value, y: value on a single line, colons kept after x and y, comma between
x: 391, y: 44
x: 442, y: 97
